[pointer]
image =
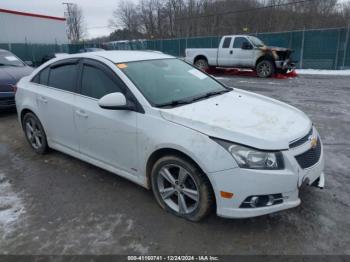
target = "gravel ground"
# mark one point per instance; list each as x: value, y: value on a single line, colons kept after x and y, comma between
x: 55, y: 204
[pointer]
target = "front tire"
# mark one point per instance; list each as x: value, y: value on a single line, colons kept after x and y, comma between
x: 181, y: 188
x: 265, y: 68
x: 35, y: 133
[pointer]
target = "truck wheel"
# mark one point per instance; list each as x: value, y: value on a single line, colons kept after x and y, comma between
x: 202, y: 64
x: 265, y: 68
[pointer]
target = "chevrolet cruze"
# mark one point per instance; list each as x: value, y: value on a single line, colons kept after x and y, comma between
x: 167, y: 126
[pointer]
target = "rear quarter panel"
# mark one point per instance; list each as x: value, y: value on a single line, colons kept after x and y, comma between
x: 26, y: 97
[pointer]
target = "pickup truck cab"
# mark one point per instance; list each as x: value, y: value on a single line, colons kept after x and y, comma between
x: 242, y: 51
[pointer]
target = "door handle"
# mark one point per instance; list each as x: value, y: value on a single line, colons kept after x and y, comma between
x: 231, y: 52
x: 43, y: 99
x: 81, y: 113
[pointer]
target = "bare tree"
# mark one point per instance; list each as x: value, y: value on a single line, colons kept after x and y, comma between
x: 126, y: 16
x: 179, y: 18
x: 75, y: 22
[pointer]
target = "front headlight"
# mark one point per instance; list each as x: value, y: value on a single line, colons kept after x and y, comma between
x: 247, y: 157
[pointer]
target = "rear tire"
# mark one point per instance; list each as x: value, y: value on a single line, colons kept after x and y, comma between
x: 202, y: 64
x: 181, y: 188
x: 35, y: 133
x: 265, y: 68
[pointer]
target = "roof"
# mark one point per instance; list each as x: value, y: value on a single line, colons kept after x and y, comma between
x: 32, y: 15
x: 119, y: 56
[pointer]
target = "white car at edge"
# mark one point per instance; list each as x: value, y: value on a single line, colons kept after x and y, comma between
x: 165, y: 125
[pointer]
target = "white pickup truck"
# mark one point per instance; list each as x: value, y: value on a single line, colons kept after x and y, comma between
x: 242, y: 51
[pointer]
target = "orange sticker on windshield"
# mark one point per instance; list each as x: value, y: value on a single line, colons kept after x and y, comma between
x: 122, y: 66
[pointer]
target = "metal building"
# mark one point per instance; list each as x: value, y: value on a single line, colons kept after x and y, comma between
x: 21, y: 27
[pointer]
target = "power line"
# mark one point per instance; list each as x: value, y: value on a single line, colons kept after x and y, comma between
x: 245, y: 10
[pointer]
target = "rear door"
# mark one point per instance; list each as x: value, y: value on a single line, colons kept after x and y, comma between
x: 108, y: 136
x: 224, y: 52
x: 55, y: 101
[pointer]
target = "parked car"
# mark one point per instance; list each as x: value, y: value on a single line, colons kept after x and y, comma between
x: 242, y: 51
x: 90, y: 49
x: 11, y: 70
x: 166, y: 125
x: 51, y: 56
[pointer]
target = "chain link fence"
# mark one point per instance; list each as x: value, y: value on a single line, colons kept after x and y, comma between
x: 316, y: 49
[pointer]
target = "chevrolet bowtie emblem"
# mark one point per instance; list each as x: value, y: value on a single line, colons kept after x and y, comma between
x: 313, y: 142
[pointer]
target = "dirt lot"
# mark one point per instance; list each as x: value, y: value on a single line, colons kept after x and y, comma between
x: 59, y: 205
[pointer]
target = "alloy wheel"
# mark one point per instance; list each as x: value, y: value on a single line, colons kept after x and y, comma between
x: 178, y: 189
x: 34, y: 133
x: 264, y: 69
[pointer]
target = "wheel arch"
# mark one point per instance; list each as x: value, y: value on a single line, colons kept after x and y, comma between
x: 197, y: 57
x: 161, y: 152
x: 23, y: 112
x: 265, y: 57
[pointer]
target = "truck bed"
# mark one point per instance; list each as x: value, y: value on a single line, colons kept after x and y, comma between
x: 210, y: 53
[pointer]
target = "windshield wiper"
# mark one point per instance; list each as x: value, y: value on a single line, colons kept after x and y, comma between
x: 189, y: 101
x: 209, y: 94
x: 174, y: 103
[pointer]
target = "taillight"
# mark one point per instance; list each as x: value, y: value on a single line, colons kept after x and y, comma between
x: 14, y: 88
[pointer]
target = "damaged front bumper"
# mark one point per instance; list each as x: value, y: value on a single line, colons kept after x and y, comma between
x: 285, y: 64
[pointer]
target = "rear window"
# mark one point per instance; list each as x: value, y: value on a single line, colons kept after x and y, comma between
x: 63, y: 77
x: 227, y: 42
x: 9, y: 59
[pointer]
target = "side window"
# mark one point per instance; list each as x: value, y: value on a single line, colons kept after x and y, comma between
x: 63, y: 77
x: 239, y: 41
x: 44, y: 76
x: 96, y: 83
x: 36, y: 79
x: 227, y: 42
x: 41, y: 77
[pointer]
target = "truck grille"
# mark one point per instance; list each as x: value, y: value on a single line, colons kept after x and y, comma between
x: 310, y: 157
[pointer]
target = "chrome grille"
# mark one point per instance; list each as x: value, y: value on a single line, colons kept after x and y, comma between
x: 301, y: 140
x: 310, y: 157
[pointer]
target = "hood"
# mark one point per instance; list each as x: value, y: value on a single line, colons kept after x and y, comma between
x: 245, y: 118
x: 11, y: 75
x: 275, y: 48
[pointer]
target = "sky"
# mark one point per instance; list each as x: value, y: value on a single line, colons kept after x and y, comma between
x: 96, y: 12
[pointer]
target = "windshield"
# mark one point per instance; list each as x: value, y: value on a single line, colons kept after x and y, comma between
x: 256, y: 41
x: 170, y: 81
x: 9, y: 59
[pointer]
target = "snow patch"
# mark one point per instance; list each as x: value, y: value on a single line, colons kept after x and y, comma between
x: 11, y: 207
x: 323, y: 72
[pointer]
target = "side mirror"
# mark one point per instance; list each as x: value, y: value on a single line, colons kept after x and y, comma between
x: 28, y: 63
x: 246, y: 46
x: 115, y: 101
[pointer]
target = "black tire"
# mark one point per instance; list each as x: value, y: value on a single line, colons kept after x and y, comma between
x: 195, y: 181
x: 202, y: 64
x: 34, y: 130
x: 265, y: 68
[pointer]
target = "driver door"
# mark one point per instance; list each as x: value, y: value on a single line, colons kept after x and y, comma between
x: 108, y: 136
x: 242, y: 57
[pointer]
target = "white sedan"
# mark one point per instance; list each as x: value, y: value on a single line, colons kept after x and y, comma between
x: 167, y: 126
